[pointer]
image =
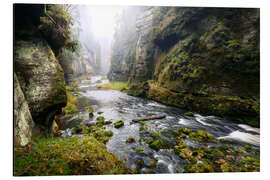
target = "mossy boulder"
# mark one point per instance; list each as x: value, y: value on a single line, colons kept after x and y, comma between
x: 77, y: 130
x: 90, y: 110
x: 100, y: 118
x: 118, y: 124
x: 202, y: 136
x: 41, y: 77
x: 154, y: 134
x: 159, y: 144
x: 138, y: 149
x: 130, y: 140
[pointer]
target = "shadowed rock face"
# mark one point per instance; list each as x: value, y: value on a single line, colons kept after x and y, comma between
x: 23, y: 122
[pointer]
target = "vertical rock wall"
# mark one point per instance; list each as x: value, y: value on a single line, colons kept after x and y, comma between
x: 23, y: 122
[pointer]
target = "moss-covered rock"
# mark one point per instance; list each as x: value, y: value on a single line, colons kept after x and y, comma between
x: 138, y: 149
x: 220, y: 158
x: 189, y: 114
x: 118, y: 124
x: 90, y: 110
x: 41, y: 77
x: 159, y: 144
x: 130, y: 140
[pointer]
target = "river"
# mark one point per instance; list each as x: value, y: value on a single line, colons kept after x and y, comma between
x: 117, y: 105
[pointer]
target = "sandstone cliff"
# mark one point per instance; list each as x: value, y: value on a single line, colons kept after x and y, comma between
x: 202, y: 59
x: 23, y: 122
x: 40, y: 76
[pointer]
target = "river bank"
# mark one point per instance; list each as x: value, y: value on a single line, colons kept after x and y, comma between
x: 175, y: 144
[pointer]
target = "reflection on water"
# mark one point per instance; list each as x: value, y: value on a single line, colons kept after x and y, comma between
x: 116, y: 106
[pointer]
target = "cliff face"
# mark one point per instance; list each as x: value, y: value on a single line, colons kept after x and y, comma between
x: 202, y: 59
x: 41, y: 77
x: 81, y: 63
x: 123, y: 52
x: 39, y: 73
x: 23, y: 122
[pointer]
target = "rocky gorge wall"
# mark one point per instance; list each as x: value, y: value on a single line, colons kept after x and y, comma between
x: 39, y: 85
x: 23, y: 122
x: 81, y: 63
x: 201, y: 59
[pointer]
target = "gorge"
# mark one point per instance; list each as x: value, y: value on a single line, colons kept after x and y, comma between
x: 76, y: 94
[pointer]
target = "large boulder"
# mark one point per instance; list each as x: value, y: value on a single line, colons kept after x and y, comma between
x: 23, y: 123
x: 40, y: 76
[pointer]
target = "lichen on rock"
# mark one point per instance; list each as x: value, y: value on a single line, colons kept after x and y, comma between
x: 23, y: 122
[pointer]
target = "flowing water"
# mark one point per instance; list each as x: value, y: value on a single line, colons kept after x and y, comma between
x: 116, y: 105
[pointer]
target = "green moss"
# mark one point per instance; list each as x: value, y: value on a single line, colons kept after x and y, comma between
x: 130, y: 140
x: 189, y: 113
x: 90, y: 109
x: 77, y: 130
x: 154, y: 134
x: 100, y: 118
x: 159, y: 144
x: 221, y: 158
x: 71, y: 106
x: 98, y: 132
x: 138, y: 149
x: 59, y: 156
x: 202, y: 136
x: 114, y: 85
x: 118, y: 124
x: 142, y: 128
x: 107, y: 122
x: 98, y: 81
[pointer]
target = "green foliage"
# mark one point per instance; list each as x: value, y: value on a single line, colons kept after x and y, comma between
x: 66, y: 156
x: 71, y: 106
x: 55, y: 25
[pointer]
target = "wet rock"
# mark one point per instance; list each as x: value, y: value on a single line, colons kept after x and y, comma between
x: 107, y: 122
x: 88, y: 124
x: 130, y: 140
x: 189, y: 114
x: 147, y: 171
x: 159, y: 144
x: 90, y: 111
x: 139, y: 149
x: 67, y: 133
x: 149, y: 162
x: 118, y: 124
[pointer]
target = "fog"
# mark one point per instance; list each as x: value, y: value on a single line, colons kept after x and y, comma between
x: 96, y: 25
